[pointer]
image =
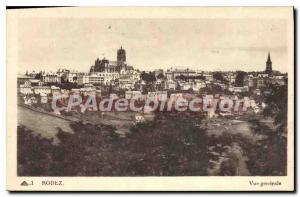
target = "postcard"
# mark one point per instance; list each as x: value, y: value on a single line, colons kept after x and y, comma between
x: 150, y: 99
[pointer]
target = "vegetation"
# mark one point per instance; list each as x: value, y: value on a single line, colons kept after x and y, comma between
x: 219, y: 76
x: 271, y: 150
x: 239, y: 79
x: 268, y: 157
x: 160, y: 76
x: 176, y: 148
x: 148, y: 77
x: 36, y: 155
x: 276, y: 107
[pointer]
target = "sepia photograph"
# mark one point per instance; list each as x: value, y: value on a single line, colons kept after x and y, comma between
x: 150, y: 98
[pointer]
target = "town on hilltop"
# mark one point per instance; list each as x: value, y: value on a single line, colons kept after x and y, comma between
x: 118, y: 79
x: 222, y: 137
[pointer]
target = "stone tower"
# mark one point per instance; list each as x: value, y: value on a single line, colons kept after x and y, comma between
x: 121, y: 55
x: 121, y: 60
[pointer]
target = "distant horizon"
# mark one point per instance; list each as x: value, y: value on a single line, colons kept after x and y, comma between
x: 152, y: 69
x: 48, y: 71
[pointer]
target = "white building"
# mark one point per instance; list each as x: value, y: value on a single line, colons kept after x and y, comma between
x: 51, y: 78
x: 26, y: 89
x: 44, y: 98
x: 102, y: 77
x: 55, y: 90
x: 88, y: 89
x: 171, y: 85
x: 239, y: 89
x: 139, y: 118
x: 83, y: 78
x: 186, y: 86
x: 42, y: 90
x: 198, y: 85
x: 174, y: 73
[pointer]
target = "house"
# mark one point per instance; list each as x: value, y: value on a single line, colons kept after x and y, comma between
x: 158, y: 81
x: 44, y: 98
x: 186, y: 86
x: 83, y: 78
x: 249, y: 81
x: 198, y: 85
x: 171, y: 85
x: 175, y: 73
x: 27, y: 100
x: 21, y: 79
x: 127, y: 85
x: 68, y: 76
x: 55, y: 90
x: 139, y: 118
x: 42, y: 90
x: 33, y: 100
x: 87, y: 91
x: 51, y: 78
x: 239, y: 89
x: 35, y: 82
x: 25, y: 88
x: 280, y: 80
x: 208, y: 77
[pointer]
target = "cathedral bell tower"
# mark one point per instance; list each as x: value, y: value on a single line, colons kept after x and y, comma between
x: 121, y: 55
x: 121, y: 59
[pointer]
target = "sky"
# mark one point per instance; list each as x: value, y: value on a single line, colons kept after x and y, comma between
x: 206, y: 44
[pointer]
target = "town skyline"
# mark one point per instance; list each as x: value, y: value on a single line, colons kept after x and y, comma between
x: 171, y: 67
x: 223, y: 51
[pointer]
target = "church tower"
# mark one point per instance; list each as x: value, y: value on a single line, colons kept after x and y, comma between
x: 121, y: 55
x: 269, y: 65
x: 121, y: 59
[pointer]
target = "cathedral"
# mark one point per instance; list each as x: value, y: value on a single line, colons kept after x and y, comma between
x: 107, y: 66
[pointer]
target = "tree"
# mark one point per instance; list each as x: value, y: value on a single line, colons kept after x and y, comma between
x: 148, y: 77
x: 177, y: 147
x: 160, y: 76
x: 110, y: 89
x: 39, y: 76
x: 276, y: 107
x: 181, y: 77
x: 268, y: 156
x: 36, y: 155
x: 239, y: 79
x: 218, y: 76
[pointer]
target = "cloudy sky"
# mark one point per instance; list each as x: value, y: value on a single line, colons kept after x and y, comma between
x: 206, y: 44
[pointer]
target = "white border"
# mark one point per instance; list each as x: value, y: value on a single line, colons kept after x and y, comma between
x: 108, y: 3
